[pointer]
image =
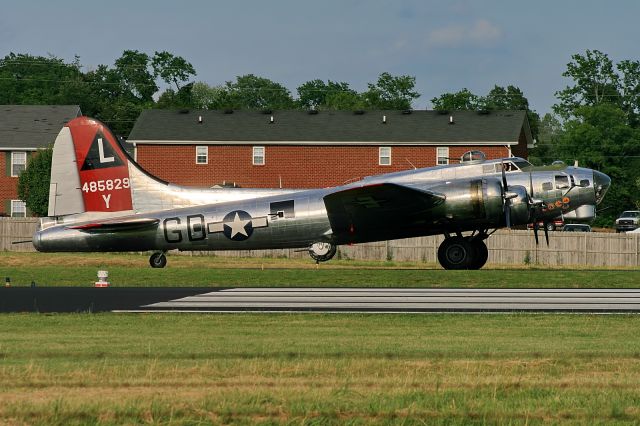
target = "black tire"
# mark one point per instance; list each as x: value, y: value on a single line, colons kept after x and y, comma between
x: 481, y: 254
x: 456, y: 253
x: 158, y: 260
x: 550, y: 226
x: 325, y: 252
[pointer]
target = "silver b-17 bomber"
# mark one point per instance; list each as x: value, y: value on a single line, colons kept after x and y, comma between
x: 101, y: 200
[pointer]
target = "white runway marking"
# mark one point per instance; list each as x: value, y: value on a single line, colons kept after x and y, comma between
x: 405, y: 300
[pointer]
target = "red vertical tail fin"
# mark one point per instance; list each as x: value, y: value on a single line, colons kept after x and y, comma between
x: 101, y: 172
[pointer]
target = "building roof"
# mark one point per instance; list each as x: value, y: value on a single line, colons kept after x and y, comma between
x: 331, y: 127
x: 29, y: 127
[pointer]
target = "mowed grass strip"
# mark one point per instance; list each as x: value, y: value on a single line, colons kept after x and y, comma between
x: 72, y: 269
x: 319, y: 368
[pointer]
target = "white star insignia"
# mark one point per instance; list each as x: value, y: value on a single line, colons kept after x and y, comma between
x: 238, y: 226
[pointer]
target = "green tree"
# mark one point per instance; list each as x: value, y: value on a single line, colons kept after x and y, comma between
x: 253, y: 92
x: 33, y: 183
x: 314, y: 93
x: 345, y: 101
x: 171, y: 99
x: 600, y: 138
x: 630, y: 90
x: 509, y: 98
x: 512, y: 98
x: 37, y: 80
x: 204, y: 96
x: 498, y: 98
x: 600, y: 109
x: 391, y: 92
x: 135, y: 76
x: 460, y: 100
x: 171, y: 68
x: 594, y: 82
x: 550, y: 130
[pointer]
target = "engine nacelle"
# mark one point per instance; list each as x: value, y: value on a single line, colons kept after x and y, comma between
x: 481, y: 203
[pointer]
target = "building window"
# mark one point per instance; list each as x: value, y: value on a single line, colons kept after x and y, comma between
x: 442, y: 155
x: 258, y: 155
x: 18, y: 208
x: 202, y: 154
x: 18, y: 163
x: 384, y: 156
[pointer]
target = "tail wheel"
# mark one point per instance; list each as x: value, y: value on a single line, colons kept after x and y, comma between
x: 158, y: 260
x: 456, y: 253
x: 321, y: 252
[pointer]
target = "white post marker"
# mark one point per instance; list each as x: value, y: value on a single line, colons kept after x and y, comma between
x: 102, y: 279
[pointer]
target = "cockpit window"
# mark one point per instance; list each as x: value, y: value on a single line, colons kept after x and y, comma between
x: 509, y: 166
x: 523, y: 165
x: 562, y: 182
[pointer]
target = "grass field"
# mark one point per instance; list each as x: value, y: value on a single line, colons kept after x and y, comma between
x: 313, y: 368
x: 319, y: 369
x: 133, y: 270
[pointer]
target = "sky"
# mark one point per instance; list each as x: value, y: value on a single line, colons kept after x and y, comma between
x: 445, y: 45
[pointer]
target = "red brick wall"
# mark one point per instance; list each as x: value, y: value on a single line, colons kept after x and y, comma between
x: 8, y: 184
x: 297, y: 166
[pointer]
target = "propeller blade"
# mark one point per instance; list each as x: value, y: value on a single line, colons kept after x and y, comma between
x: 546, y: 234
x: 535, y: 231
x: 506, y: 199
x: 504, y: 175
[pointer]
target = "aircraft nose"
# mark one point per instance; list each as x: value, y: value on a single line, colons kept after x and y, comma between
x: 601, y: 183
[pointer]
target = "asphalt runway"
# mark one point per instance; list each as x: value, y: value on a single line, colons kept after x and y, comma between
x: 405, y: 300
x: 193, y: 299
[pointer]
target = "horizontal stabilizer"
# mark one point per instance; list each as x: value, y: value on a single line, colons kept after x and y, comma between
x: 379, y: 209
x: 134, y: 224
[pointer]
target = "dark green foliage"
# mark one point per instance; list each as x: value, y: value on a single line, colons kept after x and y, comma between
x: 601, y: 127
x: 253, y: 92
x: 33, y: 184
x: 36, y: 80
x: 461, y: 100
x: 114, y: 95
x: 391, y: 92
x: 498, y: 98
x: 315, y: 93
x: 599, y: 137
x: 133, y: 75
x: 181, y: 99
x: 172, y: 69
x: 595, y: 82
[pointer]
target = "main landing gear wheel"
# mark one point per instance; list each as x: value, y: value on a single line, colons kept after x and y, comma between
x: 158, y: 260
x: 462, y: 253
x: 321, y: 252
x: 481, y: 254
x: 455, y: 253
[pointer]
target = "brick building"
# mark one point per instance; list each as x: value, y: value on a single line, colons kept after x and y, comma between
x: 309, y: 149
x: 24, y: 129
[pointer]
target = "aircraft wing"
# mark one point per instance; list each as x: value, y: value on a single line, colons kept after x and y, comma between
x: 379, y: 209
x: 114, y: 225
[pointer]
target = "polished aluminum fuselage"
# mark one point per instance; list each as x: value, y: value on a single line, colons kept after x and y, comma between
x: 190, y: 219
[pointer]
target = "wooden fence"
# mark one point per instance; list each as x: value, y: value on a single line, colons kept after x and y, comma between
x: 506, y: 247
x: 16, y: 229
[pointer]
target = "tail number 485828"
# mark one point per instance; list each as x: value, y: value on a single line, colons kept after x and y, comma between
x: 105, y: 185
